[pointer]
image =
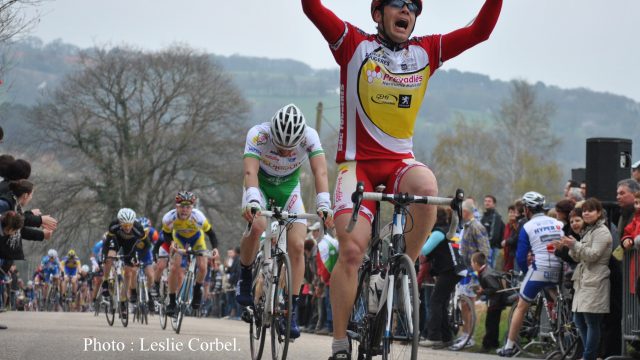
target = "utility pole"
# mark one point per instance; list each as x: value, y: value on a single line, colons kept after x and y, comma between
x: 319, y: 117
x: 310, y: 199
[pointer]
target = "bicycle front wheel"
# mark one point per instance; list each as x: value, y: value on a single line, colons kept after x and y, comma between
x: 360, y: 327
x: 255, y: 315
x: 281, y: 318
x: 124, y: 312
x: 402, y: 330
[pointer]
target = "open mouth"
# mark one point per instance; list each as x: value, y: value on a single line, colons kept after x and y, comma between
x: 402, y: 23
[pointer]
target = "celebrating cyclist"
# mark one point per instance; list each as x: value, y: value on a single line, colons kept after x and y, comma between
x: 273, y: 155
x: 545, y: 269
x: 70, y: 264
x: 383, y: 81
x: 126, y: 235
x: 186, y: 227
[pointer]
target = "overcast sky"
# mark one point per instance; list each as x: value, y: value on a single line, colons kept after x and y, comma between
x: 569, y: 43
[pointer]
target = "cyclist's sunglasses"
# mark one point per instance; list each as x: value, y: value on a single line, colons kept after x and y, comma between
x: 399, y: 4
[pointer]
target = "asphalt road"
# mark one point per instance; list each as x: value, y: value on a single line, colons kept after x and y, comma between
x: 70, y: 336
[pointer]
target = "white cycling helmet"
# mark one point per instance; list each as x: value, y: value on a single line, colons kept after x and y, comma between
x: 126, y: 216
x: 533, y: 200
x: 288, y: 127
x: 85, y: 268
x: 52, y: 253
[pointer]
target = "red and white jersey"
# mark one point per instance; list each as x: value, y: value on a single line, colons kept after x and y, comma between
x: 381, y: 89
x: 381, y: 92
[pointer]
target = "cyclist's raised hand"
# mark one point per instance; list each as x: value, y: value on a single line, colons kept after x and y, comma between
x: 251, y: 210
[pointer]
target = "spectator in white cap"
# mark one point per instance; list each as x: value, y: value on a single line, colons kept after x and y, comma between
x: 635, y: 171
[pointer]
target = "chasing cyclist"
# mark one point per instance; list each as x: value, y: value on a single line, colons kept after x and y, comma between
x: 273, y: 155
x: 186, y: 227
x: 126, y: 234
x: 71, y: 264
x: 383, y: 81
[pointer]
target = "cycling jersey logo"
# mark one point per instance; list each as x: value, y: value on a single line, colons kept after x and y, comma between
x: 260, y: 139
x: 385, y: 99
x: 378, y: 87
x: 375, y: 74
x: 405, y: 101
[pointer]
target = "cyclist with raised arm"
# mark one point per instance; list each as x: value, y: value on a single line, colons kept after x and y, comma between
x: 273, y: 155
x: 186, y: 227
x: 536, y: 237
x: 127, y: 236
x: 383, y: 79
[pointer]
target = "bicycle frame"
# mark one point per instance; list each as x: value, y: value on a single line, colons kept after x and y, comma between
x: 395, y: 258
x: 279, y: 248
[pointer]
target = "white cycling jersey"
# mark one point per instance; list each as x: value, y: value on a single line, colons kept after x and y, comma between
x: 272, y: 165
x: 535, y: 235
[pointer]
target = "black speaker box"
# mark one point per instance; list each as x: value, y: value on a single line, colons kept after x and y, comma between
x: 608, y: 161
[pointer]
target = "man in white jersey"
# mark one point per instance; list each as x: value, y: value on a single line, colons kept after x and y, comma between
x: 536, y: 237
x: 273, y: 155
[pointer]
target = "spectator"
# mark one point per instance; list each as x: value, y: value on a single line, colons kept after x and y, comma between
x: 474, y: 238
x: 635, y: 171
x: 446, y: 265
x: 20, y: 195
x: 576, y: 227
x: 625, y: 198
x: 492, y: 221
x: 583, y: 189
x: 563, y: 208
x: 490, y: 284
x: 509, y: 250
x: 575, y: 195
x: 630, y: 239
x: 13, y: 272
x: 591, y: 277
x: 233, y: 272
x: 571, y: 184
x: 426, y: 283
x: 305, y: 301
x: 326, y: 258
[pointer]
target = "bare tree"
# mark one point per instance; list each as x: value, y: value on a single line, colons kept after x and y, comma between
x: 529, y: 145
x: 507, y: 157
x: 467, y: 158
x: 131, y: 128
x: 14, y: 19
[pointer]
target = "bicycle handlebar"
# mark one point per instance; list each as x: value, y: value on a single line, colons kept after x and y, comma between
x: 405, y: 199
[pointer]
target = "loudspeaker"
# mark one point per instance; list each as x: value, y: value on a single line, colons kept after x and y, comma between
x: 579, y: 175
x: 608, y: 161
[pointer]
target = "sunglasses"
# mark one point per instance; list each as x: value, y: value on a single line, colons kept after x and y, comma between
x: 399, y: 4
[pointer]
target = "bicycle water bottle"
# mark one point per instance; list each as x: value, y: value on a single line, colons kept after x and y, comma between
x: 376, y: 283
x: 373, y: 295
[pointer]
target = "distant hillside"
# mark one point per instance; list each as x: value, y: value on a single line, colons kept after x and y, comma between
x: 269, y: 83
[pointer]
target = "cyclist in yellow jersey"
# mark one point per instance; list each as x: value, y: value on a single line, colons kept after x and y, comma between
x: 186, y: 227
x: 71, y: 264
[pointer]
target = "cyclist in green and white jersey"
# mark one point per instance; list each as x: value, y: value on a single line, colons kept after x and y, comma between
x: 273, y: 155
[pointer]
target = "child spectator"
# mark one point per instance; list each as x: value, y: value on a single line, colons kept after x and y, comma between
x: 490, y: 284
